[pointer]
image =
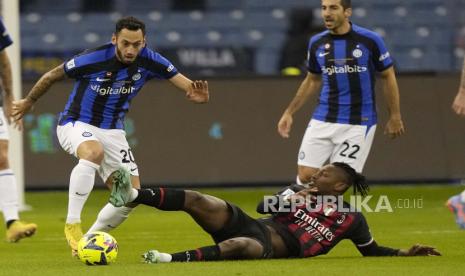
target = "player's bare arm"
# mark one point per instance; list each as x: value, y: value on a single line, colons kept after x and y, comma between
x: 308, y: 87
x: 21, y: 107
x: 375, y: 250
x: 196, y: 91
x: 395, y: 126
x: 459, y: 102
x: 7, y: 82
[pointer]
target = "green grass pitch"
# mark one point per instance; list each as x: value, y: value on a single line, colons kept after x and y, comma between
x: 47, y: 253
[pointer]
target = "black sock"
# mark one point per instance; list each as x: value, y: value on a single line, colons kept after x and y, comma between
x: 207, y: 253
x: 9, y: 223
x: 162, y: 198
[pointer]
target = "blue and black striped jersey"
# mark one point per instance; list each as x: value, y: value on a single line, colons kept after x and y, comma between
x: 5, y: 41
x: 348, y: 64
x: 105, y: 87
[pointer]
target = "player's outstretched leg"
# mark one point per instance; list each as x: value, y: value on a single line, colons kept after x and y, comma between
x: 457, y: 206
x: 231, y: 249
x: 9, y: 204
x: 209, y: 212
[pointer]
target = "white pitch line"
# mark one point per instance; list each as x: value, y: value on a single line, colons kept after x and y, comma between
x: 436, y: 232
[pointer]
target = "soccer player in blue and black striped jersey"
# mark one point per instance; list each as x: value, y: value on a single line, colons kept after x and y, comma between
x: 91, y: 125
x: 343, y: 61
x: 9, y: 203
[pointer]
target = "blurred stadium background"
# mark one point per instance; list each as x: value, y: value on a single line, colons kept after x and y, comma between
x: 247, y: 49
x: 252, y: 52
x: 243, y: 37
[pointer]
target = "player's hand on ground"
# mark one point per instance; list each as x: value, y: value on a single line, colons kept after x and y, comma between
x: 8, y: 107
x: 419, y: 250
x: 198, y: 92
x: 284, y: 125
x: 394, y: 128
x: 20, y: 108
x: 459, y: 103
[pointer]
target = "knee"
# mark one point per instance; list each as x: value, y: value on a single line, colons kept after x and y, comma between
x: 193, y: 198
x: 92, y: 152
x: 4, y: 160
x: 305, y: 174
x: 241, y: 248
x: 4, y: 155
x: 234, y: 247
x: 304, y: 177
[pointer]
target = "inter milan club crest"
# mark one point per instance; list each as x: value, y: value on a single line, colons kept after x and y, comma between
x: 136, y: 77
x: 327, y: 46
x: 357, y: 53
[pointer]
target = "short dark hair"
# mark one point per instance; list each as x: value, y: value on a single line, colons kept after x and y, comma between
x: 354, y: 178
x: 131, y: 23
x: 346, y: 4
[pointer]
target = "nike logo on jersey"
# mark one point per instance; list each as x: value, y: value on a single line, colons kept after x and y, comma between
x: 100, y: 79
x: 323, y: 54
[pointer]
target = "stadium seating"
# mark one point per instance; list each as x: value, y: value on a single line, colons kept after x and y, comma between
x: 407, y: 26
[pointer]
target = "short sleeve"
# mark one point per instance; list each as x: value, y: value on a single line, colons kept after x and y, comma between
x: 5, y: 39
x: 360, y: 234
x: 381, y: 56
x: 312, y: 63
x: 75, y: 63
x: 70, y: 68
x: 159, y: 66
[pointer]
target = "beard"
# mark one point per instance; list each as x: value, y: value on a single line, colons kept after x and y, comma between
x: 121, y: 57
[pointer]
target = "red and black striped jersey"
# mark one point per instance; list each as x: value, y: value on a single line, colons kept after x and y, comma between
x: 315, y: 231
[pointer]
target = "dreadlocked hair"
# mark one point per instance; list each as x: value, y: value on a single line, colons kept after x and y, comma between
x: 354, y: 178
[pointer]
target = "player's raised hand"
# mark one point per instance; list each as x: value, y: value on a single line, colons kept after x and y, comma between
x: 8, y: 106
x: 394, y: 128
x: 284, y: 125
x: 198, y: 92
x: 459, y: 103
x: 419, y: 250
x: 20, y: 108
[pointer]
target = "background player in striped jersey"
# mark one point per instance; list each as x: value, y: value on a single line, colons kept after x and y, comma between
x: 343, y: 61
x: 459, y: 102
x: 16, y: 229
x: 302, y: 232
x: 91, y: 125
x: 457, y: 203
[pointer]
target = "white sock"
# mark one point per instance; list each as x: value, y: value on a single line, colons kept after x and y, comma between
x: 134, y: 194
x: 109, y: 218
x: 165, y: 257
x: 8, y: 195
x: 81, y: 183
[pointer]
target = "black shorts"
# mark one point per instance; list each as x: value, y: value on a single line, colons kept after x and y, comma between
x: 242, y: 225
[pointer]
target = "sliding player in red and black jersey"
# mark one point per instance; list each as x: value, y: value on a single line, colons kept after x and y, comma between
x: 304, y: 231
x: 314, y: 228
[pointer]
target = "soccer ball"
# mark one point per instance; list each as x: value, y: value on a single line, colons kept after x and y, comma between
x: 97, y: 248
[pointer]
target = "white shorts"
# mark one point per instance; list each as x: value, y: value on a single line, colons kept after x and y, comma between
x: 337, y: 143
x: 117, y: 152
x: 3, y: 126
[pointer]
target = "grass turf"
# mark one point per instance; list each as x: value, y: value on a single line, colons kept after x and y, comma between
x: 47, y: 253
